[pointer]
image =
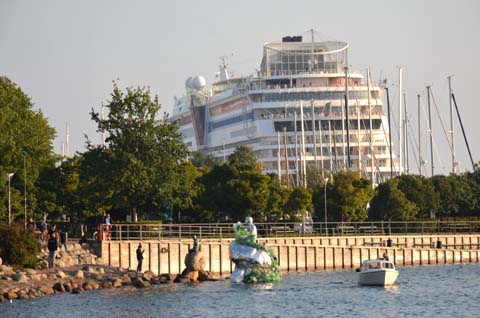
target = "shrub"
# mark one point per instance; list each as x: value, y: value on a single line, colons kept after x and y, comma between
x: 18, y: 247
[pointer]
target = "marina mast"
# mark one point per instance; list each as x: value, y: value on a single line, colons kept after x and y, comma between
x: 372, y: 173
x: 420, y: 160
x: 303, y: 161
x: 430, y: 130
x: 389, y: 134
x: 348, y: 121
x: 400, y: 119
x: 452, y: 138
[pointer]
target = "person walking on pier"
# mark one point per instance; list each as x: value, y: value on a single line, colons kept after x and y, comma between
x: 139, y: 258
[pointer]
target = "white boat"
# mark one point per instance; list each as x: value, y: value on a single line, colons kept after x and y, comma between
x: 378, y: 272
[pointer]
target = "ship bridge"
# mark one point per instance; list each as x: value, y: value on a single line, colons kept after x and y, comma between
x: 293, y: 57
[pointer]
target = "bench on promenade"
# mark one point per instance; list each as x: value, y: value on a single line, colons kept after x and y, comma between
x: 369, y: 229
x: 283, y: 229
x: 384, y: 243
x: 346, y: 229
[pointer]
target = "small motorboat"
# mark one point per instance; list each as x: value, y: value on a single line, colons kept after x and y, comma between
x: 378, y: 272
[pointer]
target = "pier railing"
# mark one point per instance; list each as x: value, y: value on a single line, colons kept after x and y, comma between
x: 145, y: 231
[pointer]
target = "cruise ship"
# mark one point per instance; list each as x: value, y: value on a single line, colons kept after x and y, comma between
x: 293, y: 113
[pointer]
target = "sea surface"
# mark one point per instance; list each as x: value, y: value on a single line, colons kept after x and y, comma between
x: 422, y: 291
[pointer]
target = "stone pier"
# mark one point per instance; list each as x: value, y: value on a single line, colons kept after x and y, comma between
x: 301, y: 254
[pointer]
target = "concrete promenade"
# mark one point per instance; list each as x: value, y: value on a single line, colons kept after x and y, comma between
x: 302, y: 254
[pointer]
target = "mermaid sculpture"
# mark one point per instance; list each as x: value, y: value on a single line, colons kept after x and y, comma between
x: 254, y: 263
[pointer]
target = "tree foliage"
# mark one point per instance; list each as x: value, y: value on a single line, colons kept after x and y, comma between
x: 347, y: 197
x: 390, y: 203
x: 26, y: 137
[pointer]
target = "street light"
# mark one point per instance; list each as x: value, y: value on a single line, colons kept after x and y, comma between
x: 24, y: 153
x: 325, y: 199
x: 9, y: 177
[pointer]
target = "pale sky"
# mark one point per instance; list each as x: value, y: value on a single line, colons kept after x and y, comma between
x: 65, y: 54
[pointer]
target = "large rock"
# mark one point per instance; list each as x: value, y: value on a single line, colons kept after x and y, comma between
x: 61, y: 274
x: 30, y: 271
x: 204, y: 276
x: 140, y: 283
x: 148, y: 275
x: 45, y: 290
x: 22, y: 294
x: 6, y: 270
x: 106, y: 285
x: 195, y: 261
x: 11, y: 295
x: 79, y: 274
x: 117, y: 283
x: 93, y: 283
x: 89, y: 269
x: 59, y: 287
x: 20, y: 277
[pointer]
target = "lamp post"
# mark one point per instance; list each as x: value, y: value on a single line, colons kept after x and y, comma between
x: 325, y: 199
x: 24, y: 153
x: 9, y: 177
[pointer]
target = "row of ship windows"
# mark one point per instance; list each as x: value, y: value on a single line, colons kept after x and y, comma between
x: 334, y: 125
x: 324, y: 151
x: 273, y: 166
x: 280, y: 97
x: 280, y: 126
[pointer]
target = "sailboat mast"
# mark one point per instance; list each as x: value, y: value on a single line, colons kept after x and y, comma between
x: 297, y: 170
x: 359, y: 140
x: 430, y: 129
x: 420, y: 160
x: 287, y: 174
x: 389, y: 133
x: 372, y: 173
x: 348, y: 121
x: 330, y: 147
x: 303, y: 159
x: 463, y: 131
x: 405, y: 129
x: 314, y: 135
x: 452, y: 137
x: 400, y: 119
x: 344, y: 158
x: 279, y: 162
x: 321, y: 147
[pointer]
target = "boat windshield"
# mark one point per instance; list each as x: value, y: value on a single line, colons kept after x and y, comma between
x: 379, y: 265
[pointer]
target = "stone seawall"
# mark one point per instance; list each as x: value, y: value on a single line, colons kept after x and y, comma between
x: 298, y: 254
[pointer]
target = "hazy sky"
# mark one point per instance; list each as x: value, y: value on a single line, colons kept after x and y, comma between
x: 65, y: 54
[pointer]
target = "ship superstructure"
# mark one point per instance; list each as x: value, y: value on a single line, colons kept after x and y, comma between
x: 292, y: 113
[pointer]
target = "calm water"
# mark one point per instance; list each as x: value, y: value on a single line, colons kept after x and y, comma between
x: 430, y: 291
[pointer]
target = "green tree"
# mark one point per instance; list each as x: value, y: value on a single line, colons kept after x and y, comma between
x: 235, y: 190
x: 25, y: 136
x: 144, y: 154
x: 390, y: 203
x: 202, y: 159
x: 347, y: 197
x: 243, y: 158
x: 299, y: 202
x: 277, y: 199
x: 421, y: 192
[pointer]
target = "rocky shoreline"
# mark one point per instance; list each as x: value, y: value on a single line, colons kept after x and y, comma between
x: 78, y: 270
x: 31, y: 283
